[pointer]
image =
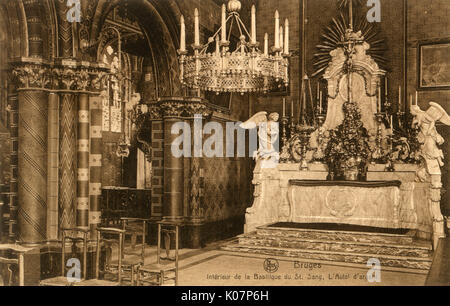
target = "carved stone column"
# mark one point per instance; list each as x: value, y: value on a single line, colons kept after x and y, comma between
x: 83, y: 161
x: 32, y: 178
x: 173, y: 176
x: 13, y: 187
x: 32, y: 79
x: 95, y: 162
x: 67, y: 160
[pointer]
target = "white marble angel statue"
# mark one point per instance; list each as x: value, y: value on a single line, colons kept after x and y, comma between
x: 428, y: 136
x: 268, y: 135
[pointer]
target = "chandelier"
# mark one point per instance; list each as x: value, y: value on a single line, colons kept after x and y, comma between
x: 247, y: 68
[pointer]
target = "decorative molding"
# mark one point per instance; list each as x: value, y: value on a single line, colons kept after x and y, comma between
x: 73, y: 76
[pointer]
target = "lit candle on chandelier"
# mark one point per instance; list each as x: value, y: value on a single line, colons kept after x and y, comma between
x: 197, y: 28
x: 286, y: 37
x: 281, y: 38
x: 182, y: 35
x: 224, y: 23
x: 277, y: 30
x: 253, y: 30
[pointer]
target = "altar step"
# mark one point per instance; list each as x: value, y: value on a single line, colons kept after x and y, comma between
x: 393, y: 249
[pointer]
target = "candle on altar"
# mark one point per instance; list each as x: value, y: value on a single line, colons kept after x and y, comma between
x: 400, y: 99
x: 385, y: 86
x: 392, y: 124
x: 266, y: 44
x: 284, y: 107
x: 224, y: 23
x: 410, y: 101
x: 286, y: 37
x: 253, y: 29
x: 182, y: 35
x: 197, y: 28
x: 379, y: 100
x: 292, y: 109
x: 277, y: 30
x: 320, y: 102
x: 417, y: 98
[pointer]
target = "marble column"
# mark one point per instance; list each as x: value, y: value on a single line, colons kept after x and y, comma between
x: 32, y: 162
x: 67, y: 160
x: 95, y: 162
x: 83, y: 161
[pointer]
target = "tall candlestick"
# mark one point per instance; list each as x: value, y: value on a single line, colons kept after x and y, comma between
x: 379, y: 99
x: 320, y: 102
x: 266, y: 44
x: 253, y: 30
x: 182, y: 35
x: 284, y: 107
x: 197, y: 28
x: 417, y: 98
x: 385, y: 86
x: 277, y: 30
x: 281, y: 39
x: 286, y: 37
x: 400, y: 99
x: 392, y: 124
x: 224, y: 23
x: 292, y: 109
x: 410, y: 101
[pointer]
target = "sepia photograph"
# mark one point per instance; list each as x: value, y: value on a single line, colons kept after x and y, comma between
x: 211, y: 144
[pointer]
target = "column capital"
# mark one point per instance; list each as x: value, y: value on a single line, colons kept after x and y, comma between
x: 60, y: 75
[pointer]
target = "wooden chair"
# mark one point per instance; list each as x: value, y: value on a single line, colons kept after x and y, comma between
x: 132, y: 259
x: 165, y: 270
x: 7, y: 262
x: 111, y: 274
x: 71, y: 235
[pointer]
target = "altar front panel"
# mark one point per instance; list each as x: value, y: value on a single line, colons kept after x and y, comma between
x: 376, y: 206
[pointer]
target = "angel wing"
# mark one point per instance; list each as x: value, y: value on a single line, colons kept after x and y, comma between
x: 437, y: 113
x: 254, y: 121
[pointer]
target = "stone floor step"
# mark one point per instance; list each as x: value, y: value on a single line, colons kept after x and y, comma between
x: 352, y: 236
x: 416, y: 249
x: 418, y: 263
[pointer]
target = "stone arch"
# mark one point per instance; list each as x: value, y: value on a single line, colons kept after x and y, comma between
x: 159, y: 26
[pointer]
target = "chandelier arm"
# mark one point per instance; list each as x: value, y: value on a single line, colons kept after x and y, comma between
x: 231, y: 28
x: 238, y: 24
x: 245, y: 28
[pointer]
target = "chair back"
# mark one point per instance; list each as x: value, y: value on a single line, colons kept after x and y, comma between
x: 7, y: 262
x: 74, y: 236
x: 168, y: 232
x: 135, y: 227
x: 109, y: 237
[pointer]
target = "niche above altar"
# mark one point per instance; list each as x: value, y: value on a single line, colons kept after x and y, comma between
x: 365, y: 79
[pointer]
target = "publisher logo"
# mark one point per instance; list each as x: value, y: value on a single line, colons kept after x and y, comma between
x: 271, y: 265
